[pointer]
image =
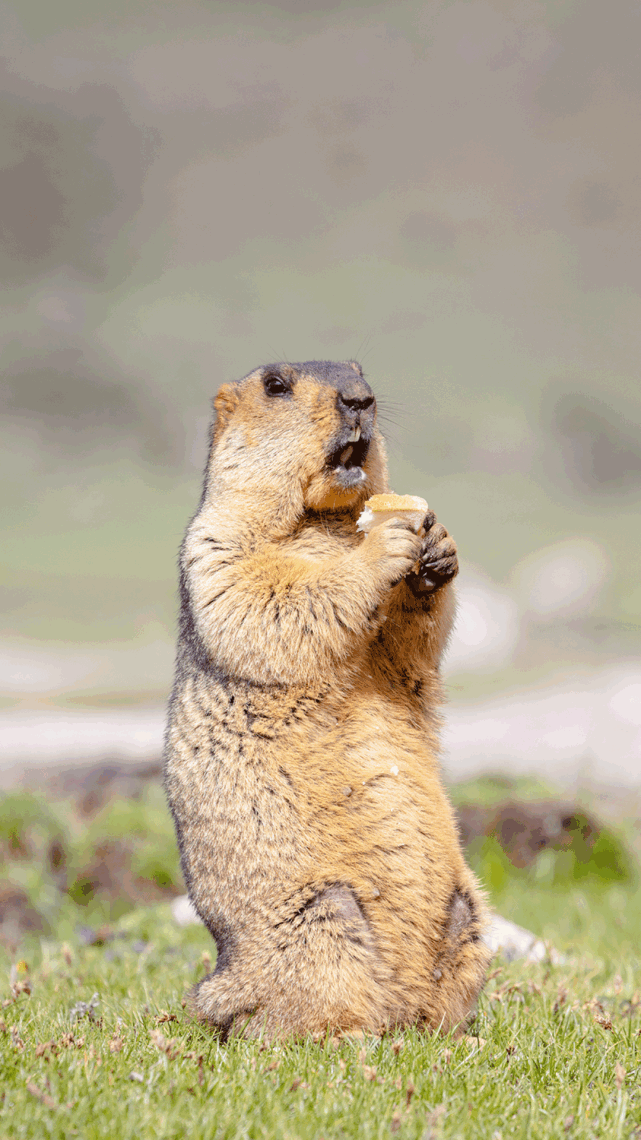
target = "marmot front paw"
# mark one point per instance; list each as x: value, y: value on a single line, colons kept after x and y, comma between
x: 438, y: 560
x: 394, y: 545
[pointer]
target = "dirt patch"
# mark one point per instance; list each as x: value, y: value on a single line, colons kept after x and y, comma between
x: 524, y: 830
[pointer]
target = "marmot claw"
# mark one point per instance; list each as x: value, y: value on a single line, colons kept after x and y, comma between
x: 438, y: 561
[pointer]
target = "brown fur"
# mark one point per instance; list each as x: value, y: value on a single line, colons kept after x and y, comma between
x: 317, y: 841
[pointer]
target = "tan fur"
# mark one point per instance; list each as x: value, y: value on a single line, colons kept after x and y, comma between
x: 317, y: 841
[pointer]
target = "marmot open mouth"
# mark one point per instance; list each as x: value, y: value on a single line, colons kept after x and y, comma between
x: 348, y: 455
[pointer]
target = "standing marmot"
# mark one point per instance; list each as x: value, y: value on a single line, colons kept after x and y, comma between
x: 317, y: 842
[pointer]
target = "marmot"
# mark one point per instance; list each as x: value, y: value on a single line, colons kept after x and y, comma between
x: 317, y: 841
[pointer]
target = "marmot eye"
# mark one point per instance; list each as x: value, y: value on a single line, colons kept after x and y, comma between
x: 274, y: 386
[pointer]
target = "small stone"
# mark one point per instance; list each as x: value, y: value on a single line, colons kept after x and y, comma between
x: 375, y: 893
x: 184, y: 911
x: 514, y: 942
x: 436, y: 974
x: 394, y: 769
x: 347, y: 791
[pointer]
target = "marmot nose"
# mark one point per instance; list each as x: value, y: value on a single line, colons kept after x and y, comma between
x: 356, y: 401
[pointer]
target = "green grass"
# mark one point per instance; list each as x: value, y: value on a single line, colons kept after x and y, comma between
x: 75, y: 866
x: 540, y: 1061
x: 555, y: 1048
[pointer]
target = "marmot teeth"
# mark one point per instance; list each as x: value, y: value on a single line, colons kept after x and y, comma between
x: 355, y: 435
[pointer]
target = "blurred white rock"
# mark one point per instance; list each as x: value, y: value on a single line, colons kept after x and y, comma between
x: 512, y: 941
x: 486, y: 629
x: 184, y: 911
x: 561, y: 580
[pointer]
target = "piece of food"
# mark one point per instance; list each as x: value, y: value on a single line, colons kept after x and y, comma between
x: 382, y: 507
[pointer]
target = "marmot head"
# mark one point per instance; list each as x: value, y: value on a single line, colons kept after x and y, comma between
x: 309, y: 426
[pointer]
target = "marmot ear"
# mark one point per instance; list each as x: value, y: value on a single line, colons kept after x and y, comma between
x: 225, y: 403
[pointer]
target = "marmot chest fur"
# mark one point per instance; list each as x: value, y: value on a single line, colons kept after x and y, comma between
x: 317, y: 841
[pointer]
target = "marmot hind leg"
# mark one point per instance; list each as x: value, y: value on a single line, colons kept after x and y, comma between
x: 318, y: 970
x: 462, y: 960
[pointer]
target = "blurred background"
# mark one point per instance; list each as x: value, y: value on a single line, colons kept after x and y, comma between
x: 446, y: 191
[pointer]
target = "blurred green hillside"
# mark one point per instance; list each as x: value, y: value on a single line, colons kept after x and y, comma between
x: 447, y: 193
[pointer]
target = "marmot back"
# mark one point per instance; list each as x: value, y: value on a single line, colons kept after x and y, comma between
x: 317, y: 842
